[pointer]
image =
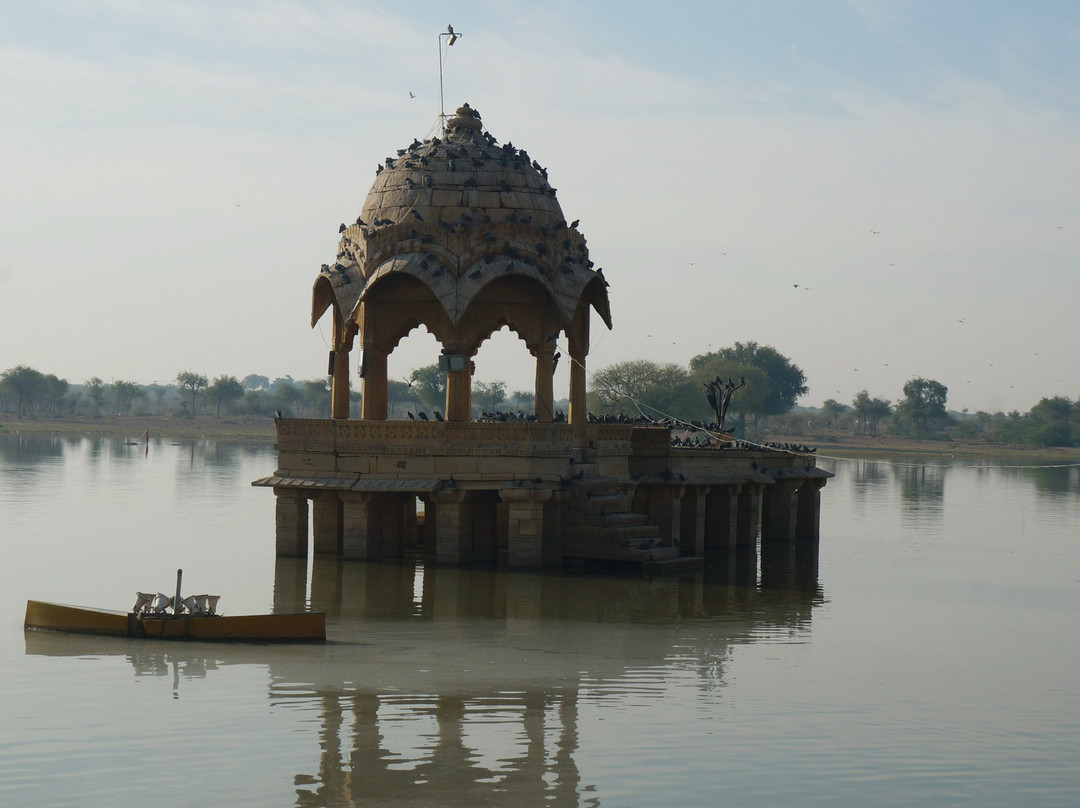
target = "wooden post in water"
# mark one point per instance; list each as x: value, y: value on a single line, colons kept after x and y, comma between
x: 176, y: 600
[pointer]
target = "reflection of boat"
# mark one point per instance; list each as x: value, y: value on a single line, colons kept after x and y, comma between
x: 301, y: 626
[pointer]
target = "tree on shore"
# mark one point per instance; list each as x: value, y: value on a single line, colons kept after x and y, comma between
x: 224, y: 390
x: 193, y: 383
x: 125, y: 394
x: 25, y: 385
x: 488, y: 396
x: 786, y: 381
x: 924, y: 404
x: 95, y: 391
x: 639, y: 387
x: 869, y: 412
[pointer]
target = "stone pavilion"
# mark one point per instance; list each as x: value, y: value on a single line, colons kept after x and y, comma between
x: 464, y: 235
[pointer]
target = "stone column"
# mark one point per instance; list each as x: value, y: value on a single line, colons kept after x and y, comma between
x: 326, y: 523
x: 578, y: 410
x: 339, y: 386
x: 393, y: 524
x: 577, y: 341
x: 779, y: 504
x: 525, y: 538
x: 373, y: 405
x: 748, y: 514
x: 808, y: 516
x: 453, y: 520
x: 291, y: 521
x: 361, y: 526
x: 721, y: 517
x: 459, y: 394
x: 544, y: 393
x: 692, y: 521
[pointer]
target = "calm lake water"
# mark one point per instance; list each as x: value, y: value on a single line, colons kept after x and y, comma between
x: 927, y: 655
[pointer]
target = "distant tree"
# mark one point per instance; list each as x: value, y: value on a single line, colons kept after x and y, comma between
x: 522, y: 399
x: 642, y: 387
x: 786, y: 380
x: 224, y: 390
x: 316, y: 398
x: 1053, y: 422
x: 193, y: 383
x: 869, y: 412
x: 96, y: 392
x: 429, y: 386
x: 923, y: 404
x: 287, y: 397
x: 489, y: 396
x: 124, y: 394
x: 25, y: 385
x: 53, y: 392
x: 833, y: 409
x: 255, y: 382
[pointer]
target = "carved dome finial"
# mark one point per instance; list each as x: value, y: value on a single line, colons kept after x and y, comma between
x: 465, y: 118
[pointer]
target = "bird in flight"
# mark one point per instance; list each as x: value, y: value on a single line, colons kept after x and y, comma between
x: 411, y: 94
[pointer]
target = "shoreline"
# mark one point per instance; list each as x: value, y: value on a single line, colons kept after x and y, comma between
x: 261, y: 429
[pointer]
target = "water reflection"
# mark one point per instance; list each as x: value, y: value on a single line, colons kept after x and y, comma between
x: 489, y: 702
x: 453, y: 686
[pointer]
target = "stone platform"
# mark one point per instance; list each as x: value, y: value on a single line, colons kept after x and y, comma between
x: 522, y: 494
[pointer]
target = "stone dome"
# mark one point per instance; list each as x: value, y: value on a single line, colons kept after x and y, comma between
x: 465, y: 178
x: 458, y: 213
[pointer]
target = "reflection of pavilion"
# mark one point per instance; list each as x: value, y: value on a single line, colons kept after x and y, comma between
x: 457, y: 686
x: 464, y: 236
x: 479, y: 649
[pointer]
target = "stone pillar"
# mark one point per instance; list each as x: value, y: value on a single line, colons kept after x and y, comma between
x: 721, y: 517
x: 326, y: 523
x: 692, y: 521
x: 361, y: 526
x: 392, y: 510
x: 339, y: 385
x: 373, y: 405
x: 409, y: 527
x: 749, y: 509
x: 453, y: 537
x: 665, y: 510
x: 525, y: 539
x: 544, y: 392
x: 779, y: 504
x: 291, y: 520
x: 459, y: 394
x: 578, y: 414
x: 808, y: 517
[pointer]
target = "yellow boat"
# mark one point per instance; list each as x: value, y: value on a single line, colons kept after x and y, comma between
x: 295, y: 627
x: 193, y: 618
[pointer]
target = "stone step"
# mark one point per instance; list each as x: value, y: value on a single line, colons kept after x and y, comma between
x: 599, y: 505
x: 603, y: 551
x: 625, y: 519
x: 625, y: 533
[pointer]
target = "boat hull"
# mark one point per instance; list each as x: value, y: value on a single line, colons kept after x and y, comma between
x: 297, y: 627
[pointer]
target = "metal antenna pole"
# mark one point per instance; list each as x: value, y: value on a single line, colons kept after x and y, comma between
x: 452, y: 37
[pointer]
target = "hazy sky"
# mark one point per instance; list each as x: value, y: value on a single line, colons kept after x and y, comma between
x: 173, y: 175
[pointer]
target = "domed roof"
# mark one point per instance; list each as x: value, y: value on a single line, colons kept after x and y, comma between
x: 456, y: 213
x: 460, y: 179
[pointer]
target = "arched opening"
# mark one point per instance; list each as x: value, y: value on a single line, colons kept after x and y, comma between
x: 417, y: 350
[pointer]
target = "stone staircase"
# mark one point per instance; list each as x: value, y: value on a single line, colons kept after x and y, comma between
x: 598, y: 522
